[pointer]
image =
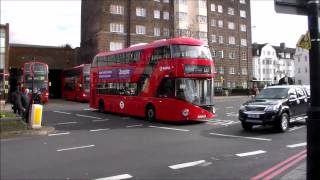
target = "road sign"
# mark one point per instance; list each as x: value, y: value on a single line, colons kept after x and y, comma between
x: 305, y: 41
x: 297, y: 7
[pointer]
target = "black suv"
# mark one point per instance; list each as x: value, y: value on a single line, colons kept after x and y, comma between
x: 275, y: 105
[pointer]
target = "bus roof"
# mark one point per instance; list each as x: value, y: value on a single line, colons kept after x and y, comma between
x: 157, y: 43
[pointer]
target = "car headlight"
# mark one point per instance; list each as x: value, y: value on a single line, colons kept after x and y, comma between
x: 272, y: 108
x: 242, y: 108
x: 185, y: 112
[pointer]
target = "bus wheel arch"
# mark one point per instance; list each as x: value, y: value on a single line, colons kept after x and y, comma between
x: 150, y: 112
x: 101, y: 105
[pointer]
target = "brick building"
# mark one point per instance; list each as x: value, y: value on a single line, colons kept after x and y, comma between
x: 224, y: 24
x: 57, y: 58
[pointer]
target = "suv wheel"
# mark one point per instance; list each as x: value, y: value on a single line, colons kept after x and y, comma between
x: 246, y: 126
x: 150, y: 113
x: 283, y: 123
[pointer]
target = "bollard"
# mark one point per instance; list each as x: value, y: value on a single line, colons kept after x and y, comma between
x: 36, y: 116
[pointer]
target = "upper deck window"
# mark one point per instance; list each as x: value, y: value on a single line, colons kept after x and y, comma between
x: 187, y: 51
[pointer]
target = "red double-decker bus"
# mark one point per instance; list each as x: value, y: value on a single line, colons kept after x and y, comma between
x: 75, y: 83
x: 169, y: 80
x: 40, y: 82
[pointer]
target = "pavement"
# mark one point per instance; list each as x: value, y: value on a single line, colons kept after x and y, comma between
x: 298, y: 173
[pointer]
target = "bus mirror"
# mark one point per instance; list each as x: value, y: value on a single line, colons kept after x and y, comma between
x: 49, y: 83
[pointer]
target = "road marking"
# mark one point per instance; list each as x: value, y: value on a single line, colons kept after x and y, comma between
x: 297, y: 145
x: 232, y: 114
x: 244, y: 137
x: 222, y: 122
x: 61, y: 112
x: 59, y: 134
x: 251, y: 153
x: 296, y: 128
x: 138, y: 125
x: 118, y: 177
x: 80, y: 115
x: 73, y: 148
x: 72, y: 122
x: 102, y: 120
x: 189, y: 164
x: 275, y: 170
x: 88, y: 109
x: 229, y: 107
x: 185, y: 130
x: 94, y: 130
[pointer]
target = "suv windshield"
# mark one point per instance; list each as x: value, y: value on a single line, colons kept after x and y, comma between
x: 273, y: 93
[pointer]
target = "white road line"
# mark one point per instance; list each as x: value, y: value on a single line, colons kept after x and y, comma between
x: 88, y: 109
x: 296, y: 145
x: 296, y: 128
x: 138, y: 125
x: 230, y: 107
x: 251, y: 153
x: 80, y: 115
x: 118, y: 177
x: 102, y: 120
x: 244, y: 137
x: 94, y: 130
x: 72, y: 122
x: 61, y: 112
x: 189, y: 164
x: 59, y: 134
x: 73, y: 148
x: 185, y: 130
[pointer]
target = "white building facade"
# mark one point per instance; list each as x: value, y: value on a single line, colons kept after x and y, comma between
x: 302, y: 70
x: 271, y: 63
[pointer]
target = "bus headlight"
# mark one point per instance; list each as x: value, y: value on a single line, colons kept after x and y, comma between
x: 185, y: 112
x: 213, y: 110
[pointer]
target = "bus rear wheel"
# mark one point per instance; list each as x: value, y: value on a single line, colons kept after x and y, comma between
x: 150, y: 113
x: 101, y: 106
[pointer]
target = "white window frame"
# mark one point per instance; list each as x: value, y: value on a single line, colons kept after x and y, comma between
x: 232, y: 40
x: 220, y: 9
x: 231, y: 11
x: 140, y: 29
x: 213, y: 7
x: 243, y: 13
x: 115, y: 45
x: 141, y: 12
x: 116, y: 27
x: 231, y: 25
x: 156, y: 14
x: 156, y: 31
x: 116, y: 9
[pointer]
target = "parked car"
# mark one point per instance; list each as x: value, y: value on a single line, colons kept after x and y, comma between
x: 275, y: 105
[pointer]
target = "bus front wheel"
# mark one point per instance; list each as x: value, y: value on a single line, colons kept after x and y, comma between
x: 101, y: 106
x: 150, y: 113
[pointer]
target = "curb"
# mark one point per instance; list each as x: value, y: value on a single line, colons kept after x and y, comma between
x: 27, y: 132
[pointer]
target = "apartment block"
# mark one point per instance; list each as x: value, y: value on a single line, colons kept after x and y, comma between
x: 225, y: 25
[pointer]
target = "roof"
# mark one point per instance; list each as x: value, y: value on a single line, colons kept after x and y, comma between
x: 37, y: 46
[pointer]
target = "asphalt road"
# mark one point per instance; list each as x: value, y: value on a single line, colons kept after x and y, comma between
x: 92, y: 145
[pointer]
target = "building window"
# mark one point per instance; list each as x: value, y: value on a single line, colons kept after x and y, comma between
x: 202, y: 19
x: 231, y: 11
x: 244, y: 71
x: 213, y: 7
x: 306, y: 58
x: 141, y: 12
x: 220, y: 9
x: 229, y: 84
x: 232, y: 40
x: 244, y: 84
x: 306, y: 70
x: 231, y: 70
x: 157, y: 0
x: 244, y: 55
x: 220, y: 24
x: 165, y: 1
x: 116, y: 27
x: 116, y: 9
x: 140, y: 29
x: 243, y: 42
x: 230, y: 25
x: 166, y: 15
x: 232, y: 55
x: 156, y: 14
x: 213, y: 22
x: 213, y: 38
x: 184, y: 2
x: 156, y: 31
x: 243, y: 28
x: 181, y: 16
x: 221, y: 39
x: 203, y: 4
x: 221, y: 70
x: 115, y: 46
x: 243, y: 14
x: 221, y: 54
x: 242, y: 1
x: 166, y: 32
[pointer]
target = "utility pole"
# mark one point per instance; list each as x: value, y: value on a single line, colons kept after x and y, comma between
x: 313, y: 121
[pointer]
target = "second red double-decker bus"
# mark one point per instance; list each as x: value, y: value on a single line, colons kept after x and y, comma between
x: 75, y: 83
x: 40, y: 81
x: 168, y: 80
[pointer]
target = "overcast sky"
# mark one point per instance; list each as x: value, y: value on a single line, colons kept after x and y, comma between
x: 57, y: 22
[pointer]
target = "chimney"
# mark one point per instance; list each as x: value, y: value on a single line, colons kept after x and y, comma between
x: 282, y: 45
